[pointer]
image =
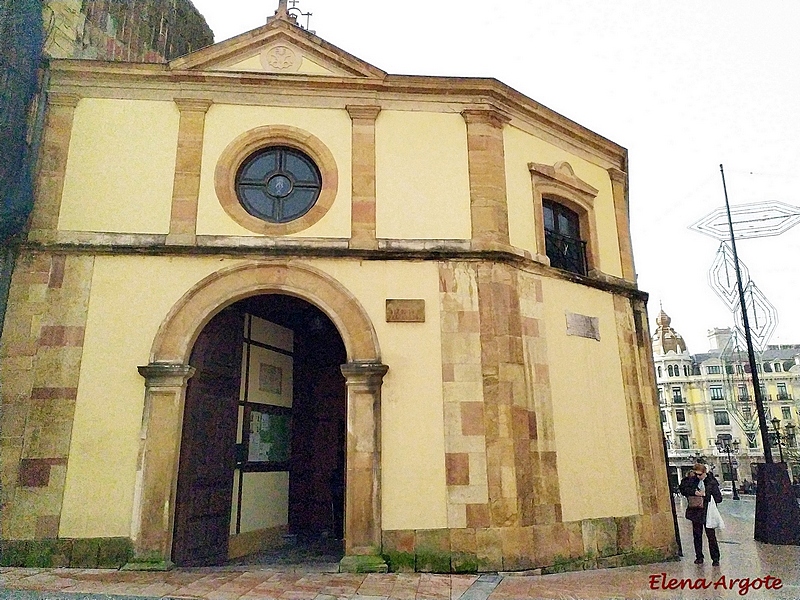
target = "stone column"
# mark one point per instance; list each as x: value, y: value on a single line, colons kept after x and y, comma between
x: 156, y: 478
x: 487, y: 176
x: 364, y: 196
x: 619, y: 187
x: 188, y: 158
x: 52, y: 166
x: 363, y: 483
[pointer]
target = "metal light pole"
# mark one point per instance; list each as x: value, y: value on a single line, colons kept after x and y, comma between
x: 777, y: 518
x: 751, y: 355
x: 725, y: 445
x: 776, y: 423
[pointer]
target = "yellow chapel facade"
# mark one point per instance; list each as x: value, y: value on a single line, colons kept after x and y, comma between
x: 269, y: 289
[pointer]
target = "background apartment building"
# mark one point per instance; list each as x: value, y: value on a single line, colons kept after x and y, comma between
x: 707, y: 403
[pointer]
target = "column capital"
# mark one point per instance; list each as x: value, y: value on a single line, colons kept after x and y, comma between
x: 63, y: 99
x: 363, y: 111
x: 365, y: 375
x: 193, y: 104
x: 165, y: 375
x: 488, y: 115
x: 617, y: 176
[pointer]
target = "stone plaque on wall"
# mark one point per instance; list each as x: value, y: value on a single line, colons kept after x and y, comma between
x: 405, y: 311
x: 583, y: 326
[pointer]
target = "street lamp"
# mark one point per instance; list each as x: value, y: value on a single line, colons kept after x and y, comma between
x: 725, y: 445
x: 776, y: 422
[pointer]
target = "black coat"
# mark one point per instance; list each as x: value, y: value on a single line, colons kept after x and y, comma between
x: 689, y: 486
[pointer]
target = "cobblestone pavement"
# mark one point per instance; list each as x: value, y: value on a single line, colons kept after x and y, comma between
x: 743, y: 573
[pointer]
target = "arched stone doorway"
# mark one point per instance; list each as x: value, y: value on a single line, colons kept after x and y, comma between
x: 168, y: 372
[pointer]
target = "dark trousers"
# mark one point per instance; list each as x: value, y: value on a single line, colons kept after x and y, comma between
x: 697, y: 534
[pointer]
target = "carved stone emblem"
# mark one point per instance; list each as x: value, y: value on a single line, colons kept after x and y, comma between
x: 583, y: 326
x: 405, y: 311
x: 281, y: 58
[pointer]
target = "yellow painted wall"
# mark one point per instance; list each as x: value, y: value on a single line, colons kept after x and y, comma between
x: 522, y: 148
x: 411, y: 403
x: 589, y: 409
x: 422, y: 176
x: 310, y: 67
x: 251, y: 63
x: 129, y: 300
x: 121, y: 166
x: 224, y: 123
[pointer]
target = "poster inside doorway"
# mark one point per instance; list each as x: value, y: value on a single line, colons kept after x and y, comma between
x: 268, y: 440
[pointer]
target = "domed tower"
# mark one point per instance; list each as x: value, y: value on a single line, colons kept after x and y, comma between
x: 672, y: 359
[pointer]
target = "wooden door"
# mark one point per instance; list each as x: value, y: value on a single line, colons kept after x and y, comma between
x: 208, y: 444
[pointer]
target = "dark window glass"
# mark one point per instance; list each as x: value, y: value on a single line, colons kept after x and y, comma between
x: 562, y: 234
x: 721, y: 417
x: 278, y: 184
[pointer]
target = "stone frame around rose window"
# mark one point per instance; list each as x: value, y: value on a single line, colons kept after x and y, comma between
x: 254, y: 140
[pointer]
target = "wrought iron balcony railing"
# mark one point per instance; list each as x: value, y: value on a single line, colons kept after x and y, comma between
x: 566, y: 252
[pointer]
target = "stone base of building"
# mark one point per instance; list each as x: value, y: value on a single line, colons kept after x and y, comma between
x: 556, y: 548
x: 89, y: 553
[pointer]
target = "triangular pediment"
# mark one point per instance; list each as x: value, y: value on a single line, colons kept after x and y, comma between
x: 278, y: 47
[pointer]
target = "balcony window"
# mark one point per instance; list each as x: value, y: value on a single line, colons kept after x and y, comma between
x: 782, y: 395
x: 677, y: 396
x: 683, y: 442
x: 563, y: 244
x: 786, y: 412
x: 716, y: 393
x: 713, y: 370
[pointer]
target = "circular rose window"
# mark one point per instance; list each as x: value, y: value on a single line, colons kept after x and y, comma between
x: 278, y: 184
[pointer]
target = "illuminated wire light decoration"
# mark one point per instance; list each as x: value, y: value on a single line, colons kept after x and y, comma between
x: 755, y: 220
x: 762, y: 313
x: 722, y: 276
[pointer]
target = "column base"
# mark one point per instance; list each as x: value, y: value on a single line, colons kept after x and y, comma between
x: 366, y: 563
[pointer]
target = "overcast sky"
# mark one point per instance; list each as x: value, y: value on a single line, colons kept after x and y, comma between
x: 683, y: 85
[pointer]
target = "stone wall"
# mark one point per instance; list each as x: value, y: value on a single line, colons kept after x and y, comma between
x: 131, y: 31
x: 504, y: 510
x: 39, y: 368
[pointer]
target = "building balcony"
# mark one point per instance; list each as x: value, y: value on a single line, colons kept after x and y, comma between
x: 682, y: 452
x: 566, y: 252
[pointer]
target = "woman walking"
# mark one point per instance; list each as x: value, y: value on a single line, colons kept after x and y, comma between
x: 699, y: 486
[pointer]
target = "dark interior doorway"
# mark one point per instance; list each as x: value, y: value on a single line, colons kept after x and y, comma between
x: 316, y: 465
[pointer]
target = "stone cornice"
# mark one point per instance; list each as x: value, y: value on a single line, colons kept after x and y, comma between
x: 261, y: 248
x: 157, y: 81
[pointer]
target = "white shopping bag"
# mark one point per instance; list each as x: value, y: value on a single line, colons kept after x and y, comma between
x: 713, y: 518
